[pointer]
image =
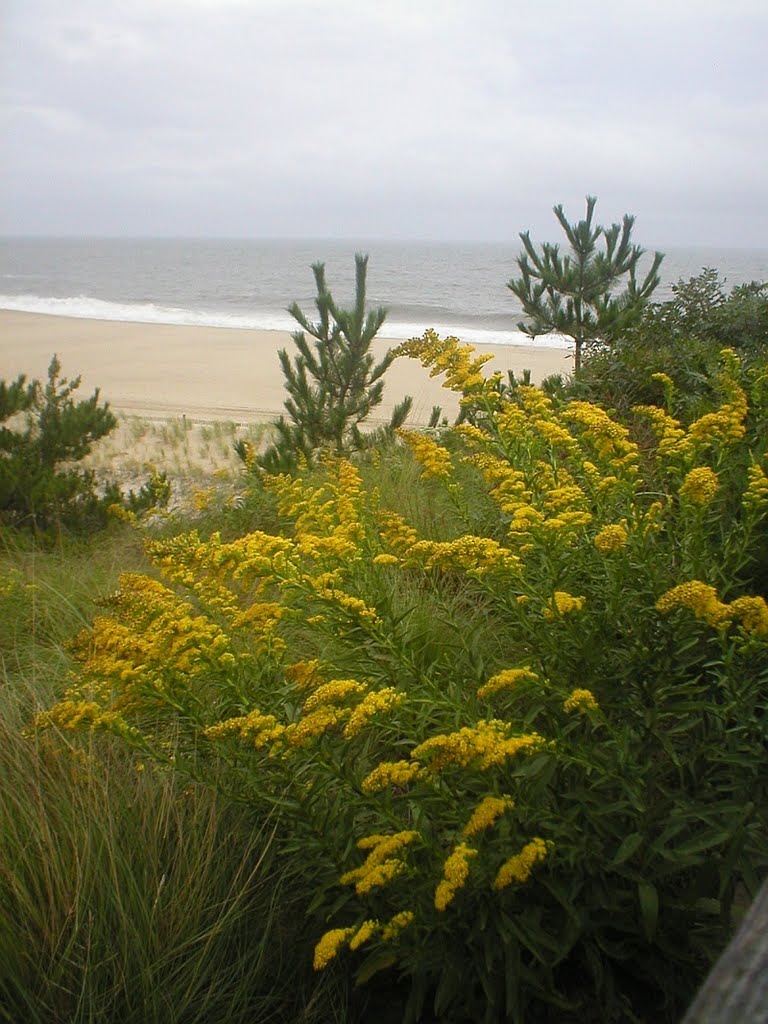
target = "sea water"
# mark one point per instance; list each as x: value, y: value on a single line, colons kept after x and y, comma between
x: 455, y: 288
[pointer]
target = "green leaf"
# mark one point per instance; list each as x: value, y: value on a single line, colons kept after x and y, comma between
x: 702, y: 843
x: 627, y: 848
x: 372, y: 964
x: 649, y: 908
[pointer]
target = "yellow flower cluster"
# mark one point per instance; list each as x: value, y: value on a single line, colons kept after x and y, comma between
x: 397, y: 774
x: 753, y: 614
x: 333, y: 691
x: 304, y: 674
x: 702, y: 600
x: 153, y: 640
x: 373, y: 703
x: 395, y: 532
x: 455, y: 874
x: 563, y: 603
x: 316, y: 723
x: 507, y: 679
x: 672, y: 440
x: 432, y: 457
x: 756, y: 495
x: 352, y: 606
x: 611, y: 539
x: 396, y: 924
x: 698, y: 597
x: 454, y: 359
x: 487, y: 813
x: 507, y: 484
x: 518, y: 868
x: 581, y: 700
x: 700, y: 485
x: 725, y: 426
x: 383, y: 863
x: 609, y: 439
x: 255, y: 727
x: 471, y: 554
x: 330, y: 944
x: 484, y: 745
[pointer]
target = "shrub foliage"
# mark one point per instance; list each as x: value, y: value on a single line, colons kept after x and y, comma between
x: 522, y: 753
x: 48, y: 432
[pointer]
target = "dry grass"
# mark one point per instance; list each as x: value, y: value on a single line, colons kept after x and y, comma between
x: 198, y: 457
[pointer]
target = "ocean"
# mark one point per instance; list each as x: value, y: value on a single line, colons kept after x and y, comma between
x: 455, y: 288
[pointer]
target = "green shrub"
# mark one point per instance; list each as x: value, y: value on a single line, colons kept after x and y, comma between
x: 521, y: 755
x: 681, y: 338
x: 45, y: 433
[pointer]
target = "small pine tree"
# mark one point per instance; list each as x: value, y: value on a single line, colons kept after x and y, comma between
x: 333, y: 383
x: 49, y: 431
x: 574, y: 294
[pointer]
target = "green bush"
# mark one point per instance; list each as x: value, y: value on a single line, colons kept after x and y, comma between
x: 48, y: 432
x: 44, y: 435
x: 521, y: 757
x: 681, y: 338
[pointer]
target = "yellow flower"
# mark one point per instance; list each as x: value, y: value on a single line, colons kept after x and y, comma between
x: 329, y: 945
x: 518, y: 868
x: 382, y: 864
x: 753, y: 614
x: 698, y: 597
x: 434, y: 459
x: 485, y: 744
x: 451, y: 357
x: 386, y: 559
x: 391, y: 773
x: 700, y: 485
x: 333, y: 691
x: 303, y: 674
x: 363, y: 933
x: 581, y: 700
x: 486, y: 814
x: 396, y: 924
x: 506, y: 679
x: 370, y: 705
x: 756, y: 495
x: 455, y: 873
x: 563, y: 603
x: 611, y: 539
x: 316, y: 723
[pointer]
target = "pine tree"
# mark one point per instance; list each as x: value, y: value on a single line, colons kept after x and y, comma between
x: 574, y: 293
x: 49, y: 433
x: 333, y: 383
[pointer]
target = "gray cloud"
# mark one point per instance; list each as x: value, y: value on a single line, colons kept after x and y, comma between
x: 450, y: 119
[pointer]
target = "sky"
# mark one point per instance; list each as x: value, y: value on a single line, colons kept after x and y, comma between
x: 384, y: 119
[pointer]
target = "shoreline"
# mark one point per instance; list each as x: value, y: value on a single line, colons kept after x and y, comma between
x: 214, y: 373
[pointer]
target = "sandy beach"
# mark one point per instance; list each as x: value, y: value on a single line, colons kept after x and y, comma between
x: 211, y: 373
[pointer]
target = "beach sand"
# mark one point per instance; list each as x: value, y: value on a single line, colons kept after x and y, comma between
x: 213, y: 373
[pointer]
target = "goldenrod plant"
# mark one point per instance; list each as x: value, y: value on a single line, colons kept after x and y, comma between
x: 521, y: 753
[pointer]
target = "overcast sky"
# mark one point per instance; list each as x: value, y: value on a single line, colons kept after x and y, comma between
x: 426, y: 119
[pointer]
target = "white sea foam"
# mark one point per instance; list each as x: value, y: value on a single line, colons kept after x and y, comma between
x: 85, y: 307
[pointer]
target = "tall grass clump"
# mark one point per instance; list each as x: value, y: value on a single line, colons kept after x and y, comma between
x: 516, y: 743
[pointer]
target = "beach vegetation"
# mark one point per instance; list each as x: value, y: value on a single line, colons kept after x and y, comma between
x: 575, y: 293
x: 45, y: 436
x: 681, y: 338
x: 334, y: 382
x: 499, y: 688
